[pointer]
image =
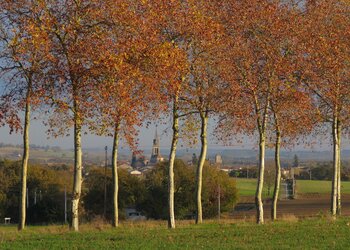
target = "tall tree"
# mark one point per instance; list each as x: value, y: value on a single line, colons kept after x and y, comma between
x: 258, y: 33
x: 191, y: 27
x: 324, y: 53
x: 171, y: 21
x: 255, y: 79
x: 70, y: 26
x: 202, y: 94
x: 293, y: 119
x: 23, y: 54
x: 292, y: 111
x: 126, y: 78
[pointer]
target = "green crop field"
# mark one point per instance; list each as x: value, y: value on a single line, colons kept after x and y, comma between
x: 306, y: 234
x: 247, y: 187
x: 321, y: 187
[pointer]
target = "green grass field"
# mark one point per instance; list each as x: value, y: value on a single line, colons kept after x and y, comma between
x: 247, y: 187
x: 306, y: 234
x: 321, y: 187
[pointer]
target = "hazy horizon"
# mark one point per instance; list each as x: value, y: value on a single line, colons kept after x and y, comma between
x: 38, y: 136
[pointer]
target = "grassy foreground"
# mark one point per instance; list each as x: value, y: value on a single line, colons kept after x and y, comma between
x: 306, y: 234
x: 247, y: 187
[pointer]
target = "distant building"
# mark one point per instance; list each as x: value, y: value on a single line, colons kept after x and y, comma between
x: 156, y: 156
x: 135, y: 172
x: 125, y: 166
x: 218, y: 159
x: 140, y: 162
x: 146, y: 169
x: 133, y: 159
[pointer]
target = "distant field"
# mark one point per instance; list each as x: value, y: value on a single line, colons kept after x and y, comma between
x: 247, y: 187
x: 321, y: 187
x: 305, y: 234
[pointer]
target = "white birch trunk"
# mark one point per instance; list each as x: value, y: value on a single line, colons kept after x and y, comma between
x: 277, y: 175
x: 78, y: 174
x: 261, y: 123
x: 335, y: 168
x: 115, y: 176
x: 258, y: 194
x: 25, y: 158
x: 171, y: 183
x: 339, y: 128
x: 199, y: 174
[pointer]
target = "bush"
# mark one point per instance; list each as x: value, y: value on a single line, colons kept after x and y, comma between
x: 155, y: 203
x: 131, y: 190
x: 45, y: 189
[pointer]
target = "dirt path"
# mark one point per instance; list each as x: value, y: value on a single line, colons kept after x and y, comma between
x: 303, y: 206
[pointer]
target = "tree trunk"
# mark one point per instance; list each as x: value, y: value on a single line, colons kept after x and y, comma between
x: 22, y: 207
x: 277, y: 175
x: 339, y: 169
x: 199, y: 174
x: 335, y: 167
x: 171, y: 184
x: 258, y: 194
x: 115, y: 176
x: 77, y: 172
x: 261, y: 123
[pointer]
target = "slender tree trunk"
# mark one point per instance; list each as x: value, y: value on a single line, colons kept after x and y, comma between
x: 339, y: 169
x: 261, y: 123
x: 78, y: 173
x: 335, y: 168
x: 115, y: 175
x: 258, y: 194
x: 22, y: 207
x: 199, y: 174
x: 278, y: 172
x: 171, y: 183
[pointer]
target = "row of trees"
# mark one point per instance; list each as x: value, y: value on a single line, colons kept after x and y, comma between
x: 277, y: 70
x: 48, y: 196
x: 45, y: 192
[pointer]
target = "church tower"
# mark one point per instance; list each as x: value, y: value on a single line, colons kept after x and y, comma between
x: 155, y: 156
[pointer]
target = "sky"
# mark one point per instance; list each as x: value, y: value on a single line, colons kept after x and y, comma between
x: 38, y: 136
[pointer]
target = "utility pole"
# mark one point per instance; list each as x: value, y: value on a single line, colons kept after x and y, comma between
x: 105, y: 187
x: 65, y: 205
x: 219, y: 201
x: 310, y: 173
x: 219, y: 192
x: 35, y: 196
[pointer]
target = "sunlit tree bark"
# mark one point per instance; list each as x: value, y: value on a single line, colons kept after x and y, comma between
x: 201, y: 161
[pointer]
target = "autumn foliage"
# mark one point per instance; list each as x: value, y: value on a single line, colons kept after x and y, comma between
x: 275, y: 71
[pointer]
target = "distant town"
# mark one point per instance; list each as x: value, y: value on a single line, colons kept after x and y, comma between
x: 141, y: 161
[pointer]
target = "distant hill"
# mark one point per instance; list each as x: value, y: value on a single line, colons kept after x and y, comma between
x: 57, y: 155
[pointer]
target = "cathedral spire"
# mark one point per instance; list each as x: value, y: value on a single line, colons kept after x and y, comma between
x: 156, y: 139
x: 156, y: 157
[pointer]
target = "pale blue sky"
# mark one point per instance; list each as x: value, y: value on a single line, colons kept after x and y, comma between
x: 38, y: 136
